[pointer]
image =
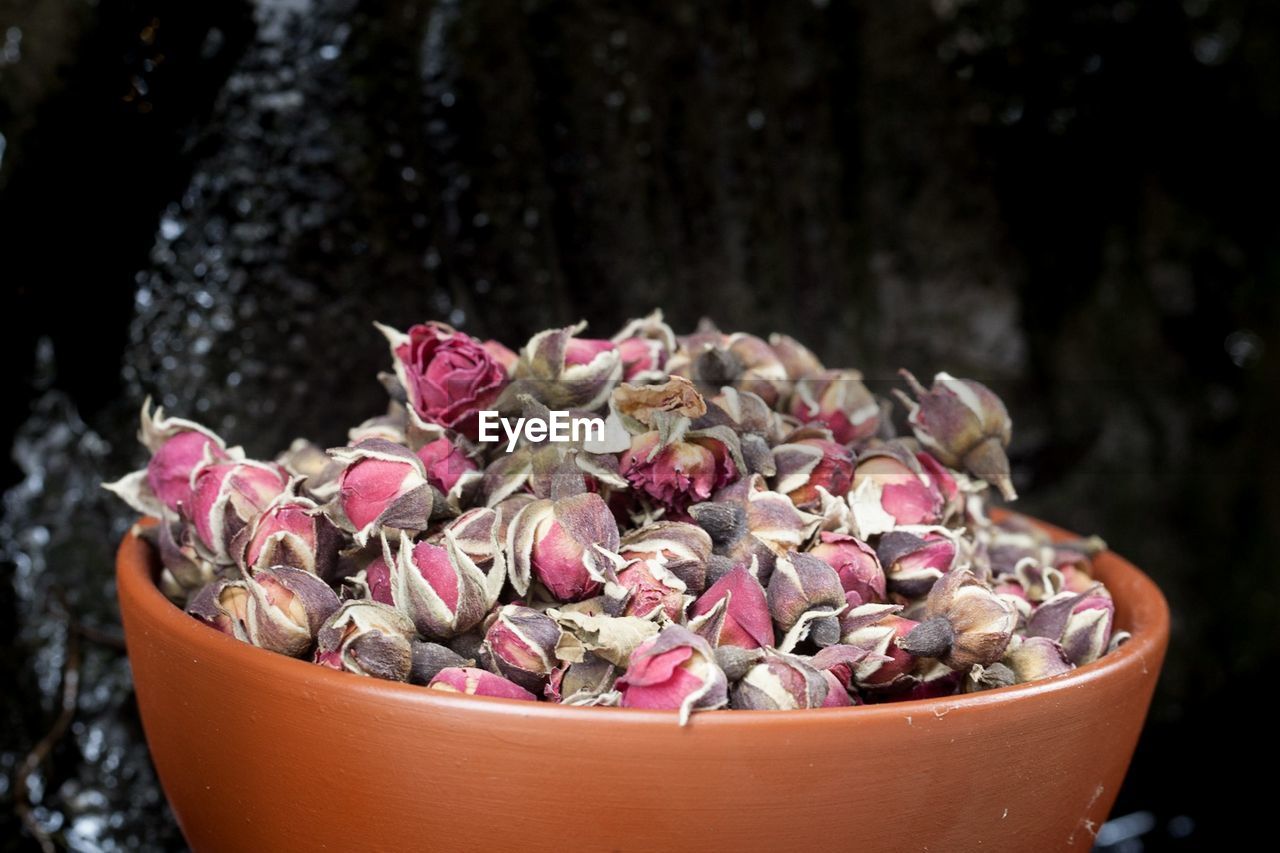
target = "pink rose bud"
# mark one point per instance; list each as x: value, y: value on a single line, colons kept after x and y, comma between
x: 677, y: 474
x: 177, y: 448
x: 965, y: 425
x: 556, y: 542
x: 367, y: 638
x: 855, y: 562
x: 875, y: 627
x: 965, y: 623
x: 225, y: 496
x: 941, y: 479
x: 446, y: 465
x: 382, y: 486
x: 520, y: 645
x: 223, y: 604
x: 838, y: 400
x: 795, y: 357
x: 286, y: 608
x: 566, y: 372
x: 734, y: 611
x: 377, y: 579
x: 914, y: 563
x: 292, y: 531
x: 674, y: 670
x: 1033, y: 658
x: 803, y: 589
x: 439, y: 587
x: 1081, y: 622
x: 683, y: 549
x: 889, y: 489
x: 447, y: 376
x: 478, y: 682
x: 781, y: 682
x: 650, y: 586
x: 480, y: 532
x: 805, y: 466
x: 645, y: 344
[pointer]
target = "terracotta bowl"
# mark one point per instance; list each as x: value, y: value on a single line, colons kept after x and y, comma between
x: 257, y: 751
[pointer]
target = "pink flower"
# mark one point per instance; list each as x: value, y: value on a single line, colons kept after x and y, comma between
x: 377, y: 576
x: 447, y: 375
x: 225, y: 496
x: 445, y: 463
x: 383, y: 485
x: 292, y: 532
x: 440, y: 588
x: 556, y: 542
x: 478, y: 682
x: 743, y: 620
x: 838, y: 400
x: 678, y: 474
x: 579, y: 351
x: 169, y: 471
x: 889, y: 489
x: 641, y: 356
x: 855, y: 562
x: 674, y: 670
x: 806, y: 465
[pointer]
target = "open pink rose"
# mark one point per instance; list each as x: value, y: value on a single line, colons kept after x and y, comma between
x: 448, y: 375
x: 679, y: 474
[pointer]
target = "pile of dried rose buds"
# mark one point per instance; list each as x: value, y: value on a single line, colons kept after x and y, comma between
x: 745, y: 530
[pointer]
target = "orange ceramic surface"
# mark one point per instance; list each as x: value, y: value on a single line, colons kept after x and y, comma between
x: 257, y: 751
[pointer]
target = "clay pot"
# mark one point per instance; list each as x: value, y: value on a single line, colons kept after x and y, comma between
x: 257, y: 751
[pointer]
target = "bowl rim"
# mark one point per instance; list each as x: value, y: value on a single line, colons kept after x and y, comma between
x: 136, y: 565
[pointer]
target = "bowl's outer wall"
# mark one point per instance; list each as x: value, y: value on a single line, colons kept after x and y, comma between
x: 257, y: 751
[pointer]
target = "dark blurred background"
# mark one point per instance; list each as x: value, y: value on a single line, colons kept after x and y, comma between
x: 1075, y: 202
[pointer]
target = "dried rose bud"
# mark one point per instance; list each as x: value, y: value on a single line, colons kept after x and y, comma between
x: 964, y: 623
x: 990, y: 677
x: 674, y: 670
x: 734, y: 611
x: 876, y: 628
x: 890, y: 489
x: 382, y: 486
x: 566, y: 372
x: 447, y: 466
x: 520, y: 645
x: 1081, y: 622
x: 795, y: 356
x: 367, y: 638
x: 292, y: 531
x: 177, y: 448
x: 377, y: 580
x: 556, y: 541
x: 965, y: 425
x: 286, y: 608
x: 680, y: 473
x: 838, y: 400
x: 781, y: 682
x: 440, y: 588
x: 478, y: 682
x: 225, y: 496
x: 652, y: 587
x: 645, y: 344
x: 315, y: 470
x: 713, y: 359
x: 855, y: 562
x: 447, y: 376
x: 1033, y: 658
x: 913, y: 563
x: 223, y: 604
x: 941, y: 479
x: 683, y: 549
x: 808, y: 465
x: 803, y: 589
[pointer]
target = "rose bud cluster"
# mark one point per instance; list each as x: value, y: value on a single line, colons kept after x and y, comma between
x: 754, y: 530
